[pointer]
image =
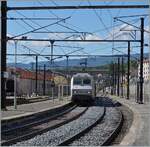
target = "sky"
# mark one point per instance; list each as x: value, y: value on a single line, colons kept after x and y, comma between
x: 99, y: 24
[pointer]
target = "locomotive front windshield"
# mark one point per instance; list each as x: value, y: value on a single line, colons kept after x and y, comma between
x: 79, y: 81
x: 86, y: 81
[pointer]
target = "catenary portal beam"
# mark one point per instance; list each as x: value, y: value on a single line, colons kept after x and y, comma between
x: 63, y: 55
x: 80, y: 7
x: 71, y: 40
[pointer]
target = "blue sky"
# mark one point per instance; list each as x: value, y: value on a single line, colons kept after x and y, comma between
x: 92, y: 21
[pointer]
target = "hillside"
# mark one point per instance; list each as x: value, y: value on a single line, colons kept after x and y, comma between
x: 91, y: 62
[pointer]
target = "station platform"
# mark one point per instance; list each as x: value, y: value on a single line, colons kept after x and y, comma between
x: 139, y: 133
x: 32, y: 108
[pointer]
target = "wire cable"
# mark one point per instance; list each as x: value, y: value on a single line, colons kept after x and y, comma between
x: 100, y: 19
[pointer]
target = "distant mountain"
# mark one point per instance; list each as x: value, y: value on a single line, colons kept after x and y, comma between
x: 91, y: 62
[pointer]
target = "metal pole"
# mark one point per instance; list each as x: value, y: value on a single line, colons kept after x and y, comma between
x: 36, y: 75
x: 85, y: 63
x: 3, y: 52
x: 15, y: 78
x: 80, y: 7
x: 118, y: 78
x: 137, y: 92
x: 128, y: 74
x: 53, y: 93
x: 52, y: 45
x: 67, y: 74
x: 69, y: 40
x: 112, y: 79
x: 32, y: 68
x: 44, y: 79
x: 67, y: 64
x: 141, y: 61
x: 122, y: 76
x: 62, y: 91
x: 115, y: 78
x: 39, y: 81
x: 59, y: 92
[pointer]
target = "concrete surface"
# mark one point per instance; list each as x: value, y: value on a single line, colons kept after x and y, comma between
x: 139, y: 133
x: 28, y: 109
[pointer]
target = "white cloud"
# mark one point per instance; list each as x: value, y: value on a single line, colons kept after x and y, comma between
x: 11, y: 42
x: 39, y: 43
x: 87, y: 37
x: 147, y: 35
x: 50, y: 36
x: 93, y: 37
x: 121, y: 33
x: 56, y: 35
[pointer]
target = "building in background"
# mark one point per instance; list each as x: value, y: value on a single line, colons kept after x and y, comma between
x: 146, y: 70
x: 26, y: 80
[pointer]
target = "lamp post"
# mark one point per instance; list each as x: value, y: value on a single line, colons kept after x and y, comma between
x: 15, y: 77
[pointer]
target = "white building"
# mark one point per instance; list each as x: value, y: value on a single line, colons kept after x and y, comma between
x: 146, y: 70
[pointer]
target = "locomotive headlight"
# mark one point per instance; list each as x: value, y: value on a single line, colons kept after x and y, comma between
x: 74, y: 91
x: 89, y: 92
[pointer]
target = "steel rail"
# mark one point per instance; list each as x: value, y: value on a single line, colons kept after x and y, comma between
x: 81, y: 133
x: 37, y: 122
x: 116, y: 131
x: 108, y: 140
x: 40, y: 131
x: 79, y: 7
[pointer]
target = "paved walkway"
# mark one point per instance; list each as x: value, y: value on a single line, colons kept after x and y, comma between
x: 139, y: 133
x: 27, y: 109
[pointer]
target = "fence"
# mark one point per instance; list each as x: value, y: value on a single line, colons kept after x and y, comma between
x: 26, y: 87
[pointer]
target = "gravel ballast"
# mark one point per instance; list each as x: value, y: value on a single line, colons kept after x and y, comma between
x: 56, y: 136
x: 97, y: 135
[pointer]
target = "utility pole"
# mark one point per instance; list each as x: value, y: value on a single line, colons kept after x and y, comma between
x: 52, y: 66
x: 122, y: 63
x: 32, y: 69
x: 15, y: 77
x: 115, y: 77
x: 85, y: 62
x: 52, y: 45
x: 44, y: 79
x: 67, y: 73
x: 36, y: 74
x: 128, y: 74
x: 118, y: 78
x: 3, y: 52
x: 112, y: 79
x: 67, y: 63
x: 141, y: 61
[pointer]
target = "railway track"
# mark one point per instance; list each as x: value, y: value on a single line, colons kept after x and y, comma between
x: 105, y: 131
x: 98, y: 124
x: 30, y: 121
x: 29, y: 128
